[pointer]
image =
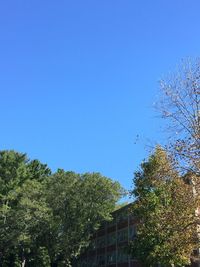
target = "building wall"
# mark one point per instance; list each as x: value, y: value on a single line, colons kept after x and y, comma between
x: 109, y: 245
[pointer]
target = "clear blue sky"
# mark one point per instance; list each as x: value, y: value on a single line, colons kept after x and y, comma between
x: 78, y: 78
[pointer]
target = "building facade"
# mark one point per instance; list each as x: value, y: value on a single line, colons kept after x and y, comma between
x: 108, y: 246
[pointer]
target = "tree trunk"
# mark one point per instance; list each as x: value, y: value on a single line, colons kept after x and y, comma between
x: 23, y: 262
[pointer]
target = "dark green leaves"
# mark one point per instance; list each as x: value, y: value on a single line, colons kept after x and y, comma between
x: 49, y: 218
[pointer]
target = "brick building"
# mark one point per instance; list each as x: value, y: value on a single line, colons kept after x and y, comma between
x: 109, y: 245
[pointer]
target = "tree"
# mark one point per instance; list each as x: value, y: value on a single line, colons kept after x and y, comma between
x: 12, y: 175
x: 79, y: 204
x: 20, y: 188
x: 47, y: 219
x: 165, y: 208
x: 180, y: 105
x: 32, y: 216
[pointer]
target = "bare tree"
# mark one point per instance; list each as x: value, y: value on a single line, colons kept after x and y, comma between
x: 180, y: 105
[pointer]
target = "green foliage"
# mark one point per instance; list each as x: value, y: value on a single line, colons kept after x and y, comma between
x: 165, y: 208
x: 48, y: 218
x: 20, y: 193
x: 79, y: 203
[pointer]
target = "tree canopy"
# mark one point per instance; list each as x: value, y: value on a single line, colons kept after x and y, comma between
x: 165, y: 208
x: 167, y: 188
x: 46, y: 219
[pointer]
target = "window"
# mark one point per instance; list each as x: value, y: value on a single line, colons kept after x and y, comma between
x: 83, y: 263
x: 122, y: 255
x: 91, y: 262
x: 122, y: 235
x: 122, y: 216
x: 111, y: 257
x: 100, y: 242
x: 111, y: 239
x: 101, y: 260
x: 132, y: 232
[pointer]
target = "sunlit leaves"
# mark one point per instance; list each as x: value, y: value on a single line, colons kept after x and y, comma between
x: 165, y: 207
